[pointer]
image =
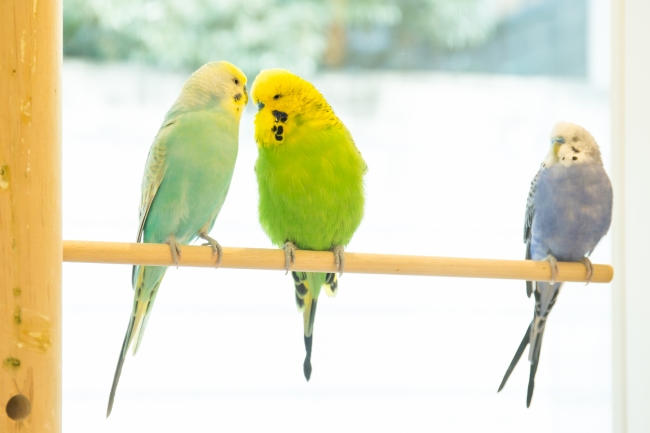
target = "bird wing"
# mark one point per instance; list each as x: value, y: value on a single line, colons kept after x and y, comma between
x: 530, y: 206
x: 348, y: 135
x: 528, y: 223
x: 154, y: 173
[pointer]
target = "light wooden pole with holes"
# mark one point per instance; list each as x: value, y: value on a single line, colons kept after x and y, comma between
x: 30, y: 215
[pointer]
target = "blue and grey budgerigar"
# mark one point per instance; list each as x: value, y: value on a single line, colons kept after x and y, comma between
x: 186, y: 180
x: 568, y: 211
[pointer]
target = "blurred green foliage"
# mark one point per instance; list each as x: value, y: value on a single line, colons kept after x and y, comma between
x: 301, y: 35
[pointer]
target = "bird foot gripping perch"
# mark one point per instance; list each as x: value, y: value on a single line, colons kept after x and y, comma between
x: 590, y: 268
x: 216, y: 248
x: 339, y: 258
x: 289, y: 255
x: 554, y: 268
x: 175, y: 249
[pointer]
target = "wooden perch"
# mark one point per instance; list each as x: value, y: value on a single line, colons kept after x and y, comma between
x: 323, y: 261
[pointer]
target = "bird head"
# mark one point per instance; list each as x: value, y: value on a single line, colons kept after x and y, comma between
x: 215, y: 84
x: 571, y: 144
x: 284, y: 102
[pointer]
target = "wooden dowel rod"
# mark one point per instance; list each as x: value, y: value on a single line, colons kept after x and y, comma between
x: 319, y: 261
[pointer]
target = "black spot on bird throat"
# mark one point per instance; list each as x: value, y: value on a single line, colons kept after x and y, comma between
x: 278, y: 130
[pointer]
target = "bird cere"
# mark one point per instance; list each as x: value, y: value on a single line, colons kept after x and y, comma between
x: 310, y: 177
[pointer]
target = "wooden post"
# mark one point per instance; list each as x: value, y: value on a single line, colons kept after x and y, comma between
x: 30, y: 215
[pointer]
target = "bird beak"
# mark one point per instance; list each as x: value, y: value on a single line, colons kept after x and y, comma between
x: 260, y: 105
x: 557, y: 143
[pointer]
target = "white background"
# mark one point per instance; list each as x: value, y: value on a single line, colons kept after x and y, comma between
x: 450, y: 161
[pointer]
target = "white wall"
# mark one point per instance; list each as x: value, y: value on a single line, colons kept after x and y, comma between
x: 631, y: 154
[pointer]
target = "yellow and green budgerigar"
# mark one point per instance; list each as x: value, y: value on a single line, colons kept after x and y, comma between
x: 186, y: 180
x: 310, y: 181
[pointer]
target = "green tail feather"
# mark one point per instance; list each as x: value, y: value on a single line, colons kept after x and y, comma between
x: 306, y: 366
x: 134, y: 332
x: 306, y: 300
x: 331, y: 284
x: 120, y: 364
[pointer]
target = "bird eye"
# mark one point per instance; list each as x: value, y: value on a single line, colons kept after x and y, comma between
x: 236, y: 81
x: 276, y: 97
x: 575, y: 139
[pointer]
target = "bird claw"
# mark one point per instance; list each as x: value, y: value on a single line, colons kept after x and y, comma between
x: 554, y: 269
x: 590, y: 268
x: 339, y: 258
x: 289, y: 255
x: 216, y: 248
x: 175, y: 249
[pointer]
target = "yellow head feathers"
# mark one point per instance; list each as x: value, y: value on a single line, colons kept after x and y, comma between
x: 222, y: 80
x: 279, y: 89
x: 284, y: 102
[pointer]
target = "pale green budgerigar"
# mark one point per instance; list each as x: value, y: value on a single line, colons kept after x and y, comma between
x: 186, y: 180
